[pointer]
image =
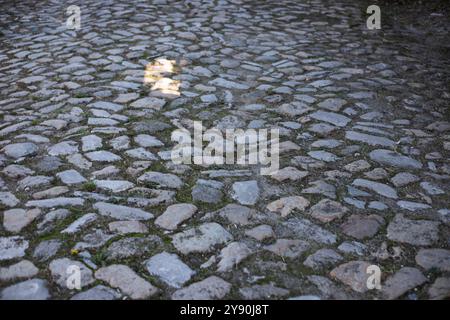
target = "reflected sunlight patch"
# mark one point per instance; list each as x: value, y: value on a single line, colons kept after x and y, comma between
x: 157, y: 75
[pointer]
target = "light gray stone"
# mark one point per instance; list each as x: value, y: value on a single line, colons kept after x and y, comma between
x: 125, y: 279
x: 380, y: 188
x: 170, y: 269
x: 165, y: 180
x: 14, y: 220
x: 354, y: 274
x: 434, y: 258
x: 121, y: 212
x: 34, y: 289
x: 23, y: 269
x: 210, y: 288
x: 98, y: 292
x: 415, y: 232
x: 393, y: 159
x: 12, y: 247
x: 19, y: 150
x: 175, y: 215
x: 231, y: 255
x: 245, y: 192
x: 201, y: 239
x: 402, y: 281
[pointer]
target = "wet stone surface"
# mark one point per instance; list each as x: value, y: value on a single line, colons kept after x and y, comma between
x: 87, y: 180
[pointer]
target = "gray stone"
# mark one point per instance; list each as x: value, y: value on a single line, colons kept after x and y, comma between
x: 51, y: 192
x: 332, y: 104
x: 393, y: 159
x: 120, y: 143
x: 12, y: 247
x: 353, y: 274
x: 102, y: 156
x: 412, y: 206
x: 201, y: 239
x: 149, y: 103
x: 34, y: 289
x: 322, y: 259
x: 377, y: 205
x: 353, y: 247
x: 434, y: 259
x: 121, y: 212
x: 327, y: 210
x: 321, y: 187
x: 8, y: 199
x: 48, y: 163
x: 147, y: 141
x: 34, y: 182
x: 208, y: 191
x: 210, y: 288
x: 369, y: 139
x: 132, y: 247
x: 98, y: 292
x: 169, y: 268
x: 141, y: 154
x: 106, y: 106
x: 289, y: 173
x: 380, y: 188
x: 402, y: 281
x: 55, y: 202
x: 360, y: 226
x: 236, y: 214
x: 323, y: 156
x: 305, y: 230
x: 403, y: 178
x: 245, y: 192
x: 440, y: 289
x: 71, y: 177
x: 150, y: 126
x: 113, y: 185
x: 357, y: 166
x: 80, y: 223
x: 46, y: 249
x: 23, y: 269
x: 415, y: 232
x: 125, y: 227
x: 261, y: 232
x: 331, y: 117
x: 220, y: 82
x: 288, y: 248
x: 431, y: 189
x: 174, y: 215
x: 63, y: 148
x: 125, y: 279
x: 91, y: 142
x: 17, y: 171
x: 286, y: 205
x: 14, y: 220
x: 92, y: 240
x: 164, y: 180
x: 19, y: 150
x: 231, y: 255
x: 265, y: 291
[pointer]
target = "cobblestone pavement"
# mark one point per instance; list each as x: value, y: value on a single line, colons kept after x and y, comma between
x: 87, y: 183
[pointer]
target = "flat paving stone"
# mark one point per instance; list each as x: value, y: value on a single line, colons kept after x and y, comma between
x: 169, y: 268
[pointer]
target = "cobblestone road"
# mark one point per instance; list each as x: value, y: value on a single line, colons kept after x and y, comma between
x: 86, y: 178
